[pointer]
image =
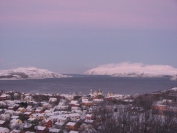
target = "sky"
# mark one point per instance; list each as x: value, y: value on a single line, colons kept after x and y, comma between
x: 74, y: 36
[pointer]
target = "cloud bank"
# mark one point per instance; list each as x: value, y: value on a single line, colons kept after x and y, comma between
x: 133, y: 68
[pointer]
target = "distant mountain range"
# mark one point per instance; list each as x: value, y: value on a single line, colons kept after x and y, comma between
x: 127, y: 69
x: 29, y: 73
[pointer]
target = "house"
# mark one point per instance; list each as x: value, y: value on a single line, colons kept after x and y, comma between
x: 67, y: 96
x: 86, y: 102
x: 98, y: 100
x: 47, y: 111
x: 56, y: 117
x: 128, y: 101
x: 10, y: 103
x: 14, y: 123
x: 38, y: 116
x: 29, y: 132
x: 12, y: 108
x: 61, y: 107
x: 46, y: 105
x: 89, y: 118
x: 15, y: 131
x: 72, y: 126
x: 74, y: 103
x: 21, y: 109
x: 52, y: 100
x: 75, y: 117
x: 33, y: 121
x: 5, y: 117
x: 28, y: 127
x: 14, y: 117
x: 4, y: 130
x: 54, y: 130
x: 16, y: 96
x: 9, y: 112
x: 4, y: 97
x: 61, y: 121
x: 76, y: 95
x: 39, y: 110
x: 89, y: 121
x: 62, y: 102
x: 28, y: 98
x: 75, y: 108
x: 17, y: 113
x: 41, y: 129
x: 74, y: 132
x: 47, y: 123
x: 3, y: 123
x: 29, y: 109
x: 27, y: 114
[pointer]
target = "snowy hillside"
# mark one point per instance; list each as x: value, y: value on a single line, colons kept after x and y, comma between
x: 29, y: 73
x: 127, y: 69
x: 174, y: 77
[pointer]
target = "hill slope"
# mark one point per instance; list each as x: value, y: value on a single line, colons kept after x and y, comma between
x: 133, y: 70
x: 29, y: 73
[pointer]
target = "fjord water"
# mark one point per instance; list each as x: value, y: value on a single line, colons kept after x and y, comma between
x: 83, y: 84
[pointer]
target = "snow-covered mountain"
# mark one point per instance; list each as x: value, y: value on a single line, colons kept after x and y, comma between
x: 29, y: 73
x: 127, y: 69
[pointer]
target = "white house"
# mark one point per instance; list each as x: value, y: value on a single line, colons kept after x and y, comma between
x: 4, y: 130
x: 5, y: 117
x: 52, y: 100
x: 75, y: 117
x: 14, y: 123
x: 15, y: 131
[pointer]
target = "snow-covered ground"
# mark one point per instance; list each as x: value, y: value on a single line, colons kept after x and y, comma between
x: 173, y: 89
x: 174, y: 77
x: 29, y: 73
x: 127, y: 69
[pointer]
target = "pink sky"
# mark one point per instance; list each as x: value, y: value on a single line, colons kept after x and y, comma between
x: 124, y: 14
x: 73, y: 35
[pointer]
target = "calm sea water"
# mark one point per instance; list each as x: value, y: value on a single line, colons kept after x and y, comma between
x: 83, y: 84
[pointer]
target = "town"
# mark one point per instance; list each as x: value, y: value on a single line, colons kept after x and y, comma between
x: 93, y: 113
